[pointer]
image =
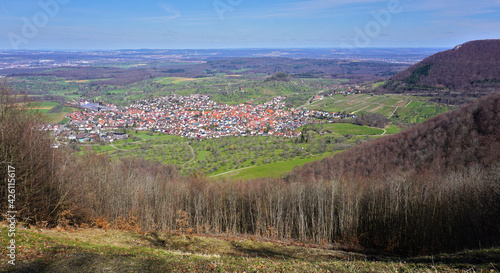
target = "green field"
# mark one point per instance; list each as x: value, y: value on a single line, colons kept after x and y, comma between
x: 174, y: 80
x: 341, y: 129
x: 98, y: 250
x: 361, y: 102
x: 392, y: 129
x: 274, y: 170
x: 53, y: 112
x: 418, y: 111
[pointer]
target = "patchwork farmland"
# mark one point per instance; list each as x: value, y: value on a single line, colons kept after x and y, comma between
x: 53, y: 111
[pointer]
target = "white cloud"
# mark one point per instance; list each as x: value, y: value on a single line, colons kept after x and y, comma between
x: 171, y: 11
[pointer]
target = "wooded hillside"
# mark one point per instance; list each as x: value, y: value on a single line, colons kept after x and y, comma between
x: 469, y: 70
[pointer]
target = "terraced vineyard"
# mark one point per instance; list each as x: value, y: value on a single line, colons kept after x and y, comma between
x: 400, y: 108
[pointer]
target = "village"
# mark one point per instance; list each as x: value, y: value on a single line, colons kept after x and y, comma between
x: 194, y: 116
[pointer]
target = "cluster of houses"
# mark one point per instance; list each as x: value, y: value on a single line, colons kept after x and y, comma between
x: 193, y: 116
x: 95, y: 136
x: 347, y: 89
x: 82, y: 134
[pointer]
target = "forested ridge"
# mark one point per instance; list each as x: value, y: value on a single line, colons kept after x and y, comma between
x: 468, y: 70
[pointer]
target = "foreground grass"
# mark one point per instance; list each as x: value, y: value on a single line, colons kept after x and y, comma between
x: 96, y: 250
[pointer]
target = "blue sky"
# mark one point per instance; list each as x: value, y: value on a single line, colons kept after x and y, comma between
x: 124, y: 24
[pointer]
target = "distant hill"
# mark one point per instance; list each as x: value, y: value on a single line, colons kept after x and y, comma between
x: 469, y: 70
x: 449, y: 142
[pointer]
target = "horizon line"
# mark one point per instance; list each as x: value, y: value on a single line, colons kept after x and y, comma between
x: 237, y: 48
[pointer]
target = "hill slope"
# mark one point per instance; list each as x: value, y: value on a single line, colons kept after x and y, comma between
x: 451, y: 141
x: 97, y: 250
x: 470, y: 69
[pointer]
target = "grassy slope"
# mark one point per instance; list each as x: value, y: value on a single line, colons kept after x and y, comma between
x: 340, y: 129
x: 274, y: 170
x: 96, y: 250
x: 278, y: 169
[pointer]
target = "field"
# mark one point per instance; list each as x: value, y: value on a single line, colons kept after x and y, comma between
x: 174, y: 80
x: 53, y: 111
x: 400, y: 108
x: 340, y: 129
x: 98, y: 250
x: 242, y: 157
x: 274, y: 170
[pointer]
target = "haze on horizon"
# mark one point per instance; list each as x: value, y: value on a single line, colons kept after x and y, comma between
x: 76, y: 24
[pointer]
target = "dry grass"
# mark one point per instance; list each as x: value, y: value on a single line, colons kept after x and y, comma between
x: 99, y: 250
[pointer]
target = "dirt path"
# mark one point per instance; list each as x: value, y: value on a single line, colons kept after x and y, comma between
x: 192, y: 153
x: 392, y: 114
x: 231, y: 171
x: 113, y: 145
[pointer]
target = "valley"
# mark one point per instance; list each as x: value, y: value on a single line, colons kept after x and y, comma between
x: 237, y: 95
x: 247, y: 161
x: 318, y: 99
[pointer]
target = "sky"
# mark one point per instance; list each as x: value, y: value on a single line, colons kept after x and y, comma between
x: 205, y: 24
